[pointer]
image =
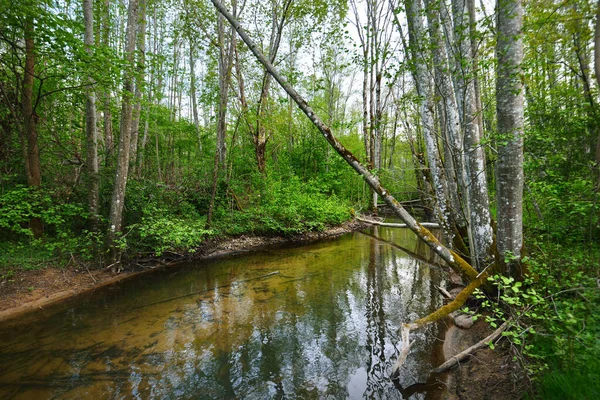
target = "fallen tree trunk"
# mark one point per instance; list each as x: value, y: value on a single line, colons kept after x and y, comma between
x: 393, y: 225
x: 454, y: 260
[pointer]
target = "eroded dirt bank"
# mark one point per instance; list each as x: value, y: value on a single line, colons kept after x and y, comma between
x: 27, y: 291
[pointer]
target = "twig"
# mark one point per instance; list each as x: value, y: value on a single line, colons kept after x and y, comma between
x: 468, y: 352
x: 88, y: 271
x: 444, y: 292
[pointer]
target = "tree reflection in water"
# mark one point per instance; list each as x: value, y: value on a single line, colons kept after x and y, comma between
x: 325, y: 326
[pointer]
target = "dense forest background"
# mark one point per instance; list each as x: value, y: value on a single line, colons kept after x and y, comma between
x: 135, y: 128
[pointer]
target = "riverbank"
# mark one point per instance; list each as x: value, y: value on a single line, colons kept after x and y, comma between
x: 29, y: 290
x: 489, y: 374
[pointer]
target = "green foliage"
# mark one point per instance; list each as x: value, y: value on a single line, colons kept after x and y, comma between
x: 162, y: 218
x: 555, y: 313
x: 287, y: 206
x: 21, y: 204
x: 173, y: 234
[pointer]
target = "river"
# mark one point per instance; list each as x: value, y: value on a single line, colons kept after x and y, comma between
x: 312, y: 321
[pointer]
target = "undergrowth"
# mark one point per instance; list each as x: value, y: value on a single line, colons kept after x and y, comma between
x: 555, y: 319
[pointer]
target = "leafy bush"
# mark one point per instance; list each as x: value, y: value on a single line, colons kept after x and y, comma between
x: 164, y: 233
x: 286, y: 206
x: 21, y: 204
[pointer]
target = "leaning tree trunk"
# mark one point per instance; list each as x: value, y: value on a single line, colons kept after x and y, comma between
x: 90, y: 122
x: 29, y: 137
x: 120, y: 184
x: 450, y: 257
x: 509, y: 106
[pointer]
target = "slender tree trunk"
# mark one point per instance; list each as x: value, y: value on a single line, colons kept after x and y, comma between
x: 30, y: 135
x: 597, y: 71
x: 193, y: 94
x: 118, y: 196
x: 140, y: 82
x: 106, y: 95
x: 477, y: 191
x: 509, y: 107
x: 90, y: 122
x: 416, y: 35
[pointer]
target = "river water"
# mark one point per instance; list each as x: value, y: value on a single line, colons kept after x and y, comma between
x: 315, y: 321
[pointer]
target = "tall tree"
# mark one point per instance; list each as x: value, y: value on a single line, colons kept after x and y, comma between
x: 474, y: 155
x: 424, y: 86
x: 509, y: 108
x: 121, y: 175
x: 29, y: 138
x: 597, y: 72
x: 90, y: 121
x: 140, y: 80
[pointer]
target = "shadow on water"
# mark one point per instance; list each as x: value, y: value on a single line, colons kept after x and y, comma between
x: 317, y: 321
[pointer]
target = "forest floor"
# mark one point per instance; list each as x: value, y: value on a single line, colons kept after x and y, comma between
x: 487, y: 375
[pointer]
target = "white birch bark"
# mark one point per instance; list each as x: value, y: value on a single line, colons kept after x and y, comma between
x: 509, y: 107
x: 477, y: 191
x: 140, y: 82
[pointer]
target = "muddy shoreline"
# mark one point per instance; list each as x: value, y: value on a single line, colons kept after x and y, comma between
x: 28, y: 291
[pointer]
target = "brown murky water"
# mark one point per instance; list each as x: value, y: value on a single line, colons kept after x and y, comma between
x: 317, y: 321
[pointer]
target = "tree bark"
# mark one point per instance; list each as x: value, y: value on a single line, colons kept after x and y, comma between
x: 451, y: 257
x: 29, y: 137
x: 140, y: 82
x: 120, y: 183
x: 193, y: 95
x: 476, y: 190
x: 90, y: 122
x: 509, y: 107
x: 108, y: 128
x: 416, y: 36
x: 597, y: 72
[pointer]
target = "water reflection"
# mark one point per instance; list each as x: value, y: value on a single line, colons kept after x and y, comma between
x: 318, y: 321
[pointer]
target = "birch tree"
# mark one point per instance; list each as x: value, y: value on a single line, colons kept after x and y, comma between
x: 424, y: 86
x: 509, y: 108
x: 477, y: 192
